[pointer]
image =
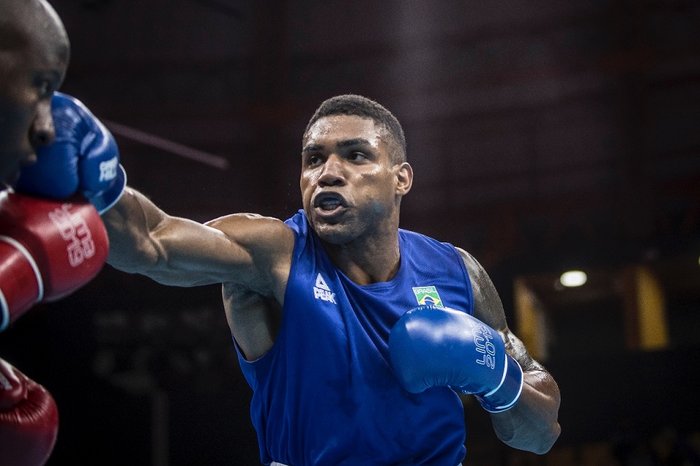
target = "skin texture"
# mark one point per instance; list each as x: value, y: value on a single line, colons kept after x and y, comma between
x: 34, y: 54
x: 351, y: 191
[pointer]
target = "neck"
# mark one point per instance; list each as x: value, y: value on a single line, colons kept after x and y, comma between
x: 373, y: 259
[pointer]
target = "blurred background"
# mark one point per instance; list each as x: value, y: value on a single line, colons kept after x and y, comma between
x: 545, y: 136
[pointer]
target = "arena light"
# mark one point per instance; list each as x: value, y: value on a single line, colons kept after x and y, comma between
x: 573, y: 278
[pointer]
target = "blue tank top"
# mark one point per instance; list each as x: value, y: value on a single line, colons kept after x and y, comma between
x: 325, y: 393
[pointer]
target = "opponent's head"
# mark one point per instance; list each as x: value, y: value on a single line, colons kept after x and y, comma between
x: 354, y: 170
x: 34, y: 54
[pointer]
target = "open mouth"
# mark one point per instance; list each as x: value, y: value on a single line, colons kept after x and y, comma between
x: 329, y: 202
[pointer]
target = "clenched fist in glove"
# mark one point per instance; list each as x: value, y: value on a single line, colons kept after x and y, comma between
x: 438, y: 347
x: 48, y: 249
x: 83, y: 159
x: 28, y: 419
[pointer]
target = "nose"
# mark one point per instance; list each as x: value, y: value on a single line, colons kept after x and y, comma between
x: 332, y: 172
x: 42, y: 131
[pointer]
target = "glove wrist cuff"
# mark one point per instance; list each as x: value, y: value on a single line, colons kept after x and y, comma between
x: 507, y: 393
x: 105, y: 200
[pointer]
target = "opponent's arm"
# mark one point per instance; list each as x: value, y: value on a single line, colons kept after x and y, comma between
x: 531, y: 424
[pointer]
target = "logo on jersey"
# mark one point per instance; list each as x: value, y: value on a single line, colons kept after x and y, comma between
x: 427, y: 295
x: 322, y: 291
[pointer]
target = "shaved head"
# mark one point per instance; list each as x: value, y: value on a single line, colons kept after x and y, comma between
x: 24, y: 22
x: 34, y: 54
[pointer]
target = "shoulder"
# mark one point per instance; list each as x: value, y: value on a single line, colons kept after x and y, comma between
x: 253, y: 229
x: 487, y: 303
x: 476, y: 272
x: 265, y: 243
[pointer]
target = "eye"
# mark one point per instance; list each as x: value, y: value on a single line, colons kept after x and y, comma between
x: 357, y: 156
x: 45, y: 87
x: 313, y: 160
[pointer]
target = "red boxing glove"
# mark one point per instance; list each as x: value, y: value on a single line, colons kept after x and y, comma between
x: 28, y: 419
x: 48, y: 249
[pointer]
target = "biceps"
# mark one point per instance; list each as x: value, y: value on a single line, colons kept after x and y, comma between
x: 190, y: 253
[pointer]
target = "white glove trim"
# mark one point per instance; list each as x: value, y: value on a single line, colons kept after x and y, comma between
x: 37, y: 274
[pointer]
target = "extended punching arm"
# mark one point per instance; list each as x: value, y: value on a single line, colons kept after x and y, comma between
x: 171, y: 250
x: 237, y: 248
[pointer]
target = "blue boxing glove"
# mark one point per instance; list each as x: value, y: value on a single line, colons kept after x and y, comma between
x: 83, y: 158
x: 438, y: 347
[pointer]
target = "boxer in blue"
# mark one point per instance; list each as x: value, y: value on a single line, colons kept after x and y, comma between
x: 358, y: 338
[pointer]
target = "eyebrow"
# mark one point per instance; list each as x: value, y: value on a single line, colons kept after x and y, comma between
x: 353, y: 142
x: 312, y: 148
x: 343, y: 143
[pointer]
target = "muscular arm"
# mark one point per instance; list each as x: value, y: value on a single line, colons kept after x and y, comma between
x: 532, y: 423
x: 245, y: 249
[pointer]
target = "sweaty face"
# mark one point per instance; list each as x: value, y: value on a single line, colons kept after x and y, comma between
x: 350, y: 187
x: 33, y: 61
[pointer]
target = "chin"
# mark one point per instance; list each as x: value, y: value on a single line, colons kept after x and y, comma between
x: 333, y: 233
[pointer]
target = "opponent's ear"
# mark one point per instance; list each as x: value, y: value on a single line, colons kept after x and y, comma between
x: 404, y: 178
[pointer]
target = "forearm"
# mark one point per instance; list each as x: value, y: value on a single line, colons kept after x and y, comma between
x: 168, y: 249
x: 130, y: 224
x: 531, y: 424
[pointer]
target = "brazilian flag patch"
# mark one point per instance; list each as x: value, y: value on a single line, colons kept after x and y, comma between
x: 427, y: 295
